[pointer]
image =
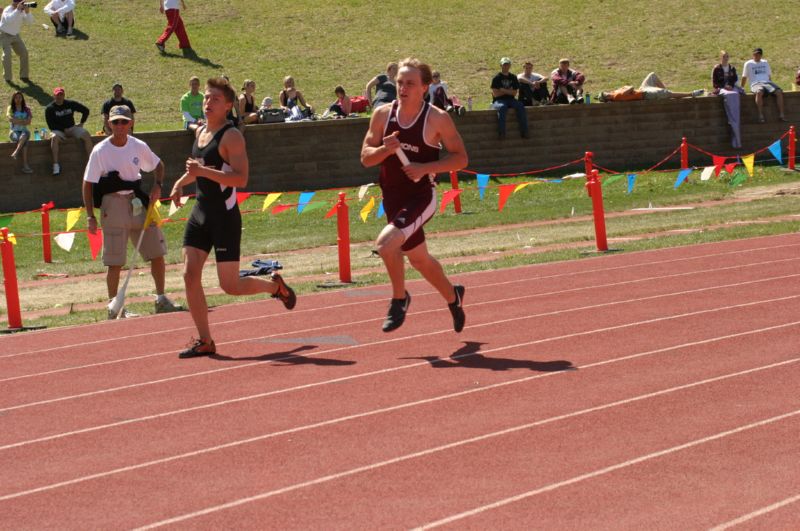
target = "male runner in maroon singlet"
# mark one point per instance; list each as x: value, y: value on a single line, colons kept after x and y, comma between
x: 412, y: 129
x: 218, y: 167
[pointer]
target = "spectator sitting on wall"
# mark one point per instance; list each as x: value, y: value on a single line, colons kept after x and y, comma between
x: 341, y: 107
x: 116, y: 99
x: 532, y: 86
x: 292, y: 101
x: 439, y: 96
x: 385, y: 87
x: 504, y: 95
x: 652, y: 88
x: 247, y: 103
x: 192, y: 106
x: 62, y: 15
x: 20, y: 116
x: 758, y: 71
x: 60, y: 116
x: 567, y: 84
x: 724, y: 78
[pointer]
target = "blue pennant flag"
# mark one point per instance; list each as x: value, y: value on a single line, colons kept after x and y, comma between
x: 483, y: 180
x: 682, y: 175
x: 380, y: 211
x: 305, y: 198
x: 775, y: 149
x: 631, y: 181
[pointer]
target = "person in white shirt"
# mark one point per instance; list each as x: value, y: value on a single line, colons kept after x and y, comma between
x: 62, y: 14
x: 532, y: 86
x: 113, y: 174
x: 758, y: 72
x: 10, y: 26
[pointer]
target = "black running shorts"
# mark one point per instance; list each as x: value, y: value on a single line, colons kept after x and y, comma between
x: 220, y: 229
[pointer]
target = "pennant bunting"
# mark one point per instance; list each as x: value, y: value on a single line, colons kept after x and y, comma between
x: 730, y: 167
x: 631, y: 181
x: 367, y: 209
x: 520, y: 186
x: 73, y: 215
x: 153, y: 216
x: 748, y: 161
x: 483, y: 181
x: 5, y: 220
x: 315, y: 205
x: 65, y: 240
x: 707, y: 171
x: 363, y: 191
x: 682, y: 175
x: 271, y: 198
x: 241, y: 197
x: 174, y: 208
x: 719, y: 162
x: 447, y: 198
x: 281, y: 208
x: 505, y: 191
x: 775, y: 149
x: 95, y: 242
x: 381, y: 212
x: 12, y: 238
x: 739, y: 179
x: 332, y: 211
x: 612, y: 179
x: 305, y: 198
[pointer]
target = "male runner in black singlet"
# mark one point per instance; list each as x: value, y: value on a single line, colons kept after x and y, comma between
x: 414, y: 130
x: 218, y: 167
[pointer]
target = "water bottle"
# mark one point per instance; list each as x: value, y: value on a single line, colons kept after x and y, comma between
x: 137, y: 206
x: 36, y: 135
x: 469, y: 104
x: 588, y: 98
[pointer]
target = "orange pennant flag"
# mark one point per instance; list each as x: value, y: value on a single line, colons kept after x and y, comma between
x: 95, y: 242
x: 448, y: 197
x: 332, y: 211
x: 280, y: 208
x: 505, y: 191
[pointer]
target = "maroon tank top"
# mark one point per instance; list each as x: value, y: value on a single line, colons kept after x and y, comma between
x: 412, y: 140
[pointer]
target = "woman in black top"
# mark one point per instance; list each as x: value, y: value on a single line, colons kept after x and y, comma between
x: 247, y: 103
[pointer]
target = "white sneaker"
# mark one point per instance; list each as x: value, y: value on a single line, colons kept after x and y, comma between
x: 164, y: 305
x: 56, y: 169
x: 125, y: 314
x: 697, y: 93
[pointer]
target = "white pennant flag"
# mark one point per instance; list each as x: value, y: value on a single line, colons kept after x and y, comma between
x: 173, y: 208
x: 65, y: 240
x: 707, y: 172
x: 363, y: 191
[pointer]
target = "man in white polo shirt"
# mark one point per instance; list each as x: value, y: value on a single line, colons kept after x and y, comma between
x: 10, y: 26
x: 113, y: 179
x: 759, y: 73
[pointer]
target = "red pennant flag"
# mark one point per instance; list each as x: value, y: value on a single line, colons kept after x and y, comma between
x: 95, y: 242
x: 729, y: 167
x: 280, y: 208
x: 241, y: 197
x: 332, y: 211
x: 447, y: 198
x: 719, y: 162
x: 505, y: 191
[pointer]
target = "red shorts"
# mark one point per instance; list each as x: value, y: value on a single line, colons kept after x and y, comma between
x: 410, y: 214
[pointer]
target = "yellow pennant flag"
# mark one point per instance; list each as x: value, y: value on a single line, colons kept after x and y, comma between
x: 153, y: 215
x: 73, y: 215
x: 271, y: 198
x: 520, y: 187
x: 367, y: 209
x: 748, y: 163
x: 12, y: 238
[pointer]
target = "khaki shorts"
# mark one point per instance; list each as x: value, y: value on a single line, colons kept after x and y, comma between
x: 75, y: 131
x: 120, y: 225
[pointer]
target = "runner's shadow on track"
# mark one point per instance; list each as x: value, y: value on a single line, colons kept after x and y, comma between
x: 468, y: 357
x: 289, y: 357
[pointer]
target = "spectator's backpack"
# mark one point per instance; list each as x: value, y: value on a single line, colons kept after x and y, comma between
x: 271, y: 116
x: 358, y: 104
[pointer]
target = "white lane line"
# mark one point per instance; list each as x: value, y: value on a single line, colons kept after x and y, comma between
x: 395, y: 369
x: 609, y: 469
x: 755, y: 514
x: 481, y: 303
x: 507, y: 431
x: 426, y: 293
x: 426, y: 334
x: 407, y: 405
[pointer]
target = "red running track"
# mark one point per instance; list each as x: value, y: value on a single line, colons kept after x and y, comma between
x: 653, y: 390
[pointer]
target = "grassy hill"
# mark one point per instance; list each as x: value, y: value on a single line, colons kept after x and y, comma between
x: 323, y: 44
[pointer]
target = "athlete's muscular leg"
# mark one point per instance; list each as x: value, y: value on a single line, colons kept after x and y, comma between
x: 431, y: 269
x: 193, y: 260
x: 232, y: 284
x: 389, y: 244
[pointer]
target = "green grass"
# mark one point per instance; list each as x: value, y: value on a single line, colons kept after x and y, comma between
x: 323, y: 44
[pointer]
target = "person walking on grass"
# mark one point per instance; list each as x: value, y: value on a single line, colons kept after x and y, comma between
x: 112, y: 182
x: 411, y: 129
x: 172, y: 10
x: 219, y: 166
x: 11, y: 21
